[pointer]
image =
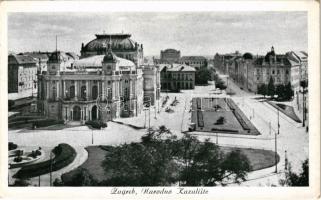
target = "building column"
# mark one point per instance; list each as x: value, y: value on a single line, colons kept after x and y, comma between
x: 87, y: 90
x: 76, y: 90
x: 57, y: 86
x: 48, y: 91
x: 81, y: 114
x: 64, y: 89
x: 103, y: 90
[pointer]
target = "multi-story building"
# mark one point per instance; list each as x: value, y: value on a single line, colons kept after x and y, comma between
x: 174, y: 77
x: 249, y: 72
x: 151, y: 76
x: 221, y: 62
x: 302, y: 57
x: 41, y: 60
x: 98, y: 86
x: 22, y: 75
x: 197, y: 62
x: 121, y: 44
x: 170, y: 55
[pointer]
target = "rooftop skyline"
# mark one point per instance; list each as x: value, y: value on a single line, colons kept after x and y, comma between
x: 193, y: 33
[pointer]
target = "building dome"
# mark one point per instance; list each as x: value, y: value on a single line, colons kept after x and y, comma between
x: 118, y: 42
x: 247, y: 56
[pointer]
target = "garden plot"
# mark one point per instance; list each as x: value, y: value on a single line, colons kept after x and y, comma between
x: 220, y: 115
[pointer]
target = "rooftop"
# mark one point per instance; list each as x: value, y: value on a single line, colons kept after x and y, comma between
x: 96, y: 62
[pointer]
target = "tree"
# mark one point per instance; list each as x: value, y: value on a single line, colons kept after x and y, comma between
x: 288, y: 91
x: 280, y: 91
x: 293, y: 179
x: 262, y: 89
x: 271, y: 88
x: 162, y: 160
x: 206, y: 165
x: 149, y: 163
x: 81, y: 177
x: 219, y: 83
x: 202, y: 76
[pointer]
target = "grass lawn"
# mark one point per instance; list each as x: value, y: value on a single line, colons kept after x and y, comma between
x: 93, y: 164
x: 259, y: 159
x: 287, y: 110
x: 211, y: 109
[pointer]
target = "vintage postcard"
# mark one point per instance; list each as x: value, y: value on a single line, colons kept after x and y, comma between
x: 163, y: 100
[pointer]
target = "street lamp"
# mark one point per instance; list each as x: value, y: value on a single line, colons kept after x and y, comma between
x: 275, y: 140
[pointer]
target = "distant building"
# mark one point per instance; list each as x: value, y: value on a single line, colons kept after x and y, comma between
x: 170, y: 56
x: 174, y: 77
x: 302, y: 57
x: 198, y: 62
x: 41, y: 60
x: 22, y: 75
x: 249, y: 72
x: 151, y: 86
x: 221, y: 62
x: 121, y: 44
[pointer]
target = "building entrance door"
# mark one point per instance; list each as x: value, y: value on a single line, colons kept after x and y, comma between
x: 76, y: 113
x: 94, y: 113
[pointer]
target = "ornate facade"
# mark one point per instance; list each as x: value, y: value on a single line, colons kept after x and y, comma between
x: 100, y: 85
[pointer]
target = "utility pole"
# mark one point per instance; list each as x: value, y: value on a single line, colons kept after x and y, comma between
x: 303, y: 109
x: 92, y: 136
x: 216, y: 138
x: 39, y: 180
x: 50, y: 168
x: 145, y: 119
x: 275, y: 140
x: 149, y: 118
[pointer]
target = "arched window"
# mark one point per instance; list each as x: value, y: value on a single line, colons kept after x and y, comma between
x: 72, y: 91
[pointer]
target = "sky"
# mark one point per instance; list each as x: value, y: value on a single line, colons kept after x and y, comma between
x: 193, y: 33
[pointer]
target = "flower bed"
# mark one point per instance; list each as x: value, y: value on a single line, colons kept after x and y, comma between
x: 64, y: 155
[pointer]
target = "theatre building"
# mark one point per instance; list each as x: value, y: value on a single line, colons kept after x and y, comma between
x: 96, y: 87
x: 101, y: 85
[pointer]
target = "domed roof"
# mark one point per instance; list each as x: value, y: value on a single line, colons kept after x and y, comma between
x: 118, y: 41
x: 247, y: 55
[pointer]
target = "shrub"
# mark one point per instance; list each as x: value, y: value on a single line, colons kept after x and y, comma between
x: 47, y: 122
x: 64, y: 155
x: 34, y: 154
x: 17, y: 159
x: 12, y: 146
x: 97, y: 124
x: 21, y: 183
x: 220, y: 121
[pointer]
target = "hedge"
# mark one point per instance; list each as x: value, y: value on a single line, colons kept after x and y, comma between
x: 64, y: 155
x: 96, y: 124
x: 35, y: 122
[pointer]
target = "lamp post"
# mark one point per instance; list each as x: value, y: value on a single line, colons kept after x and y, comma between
x: 50, y: 169
x: 275, y: 140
